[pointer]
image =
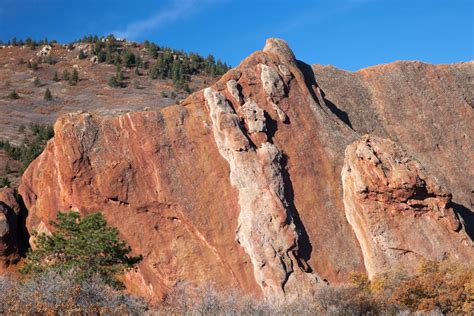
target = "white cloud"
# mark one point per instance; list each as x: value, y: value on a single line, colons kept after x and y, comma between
x: 177, y: 10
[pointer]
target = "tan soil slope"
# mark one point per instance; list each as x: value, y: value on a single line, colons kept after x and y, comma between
x: 91, y: 93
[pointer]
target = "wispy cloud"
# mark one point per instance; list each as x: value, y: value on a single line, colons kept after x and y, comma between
x: 321, y: 14
x: 176, y: 10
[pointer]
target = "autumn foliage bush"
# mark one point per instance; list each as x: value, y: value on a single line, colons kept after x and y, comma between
x: 446, y: 287
x: 437, y: 288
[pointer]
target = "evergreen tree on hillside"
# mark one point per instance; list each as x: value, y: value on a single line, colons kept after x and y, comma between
x: 66, y: 75
x: 82, y: 55
x: 37, y: 82
x: 74, y: 77
x: 101, y: 56
x: 129, y: 58
x: 113, y: 82
x: 88, y: 246
x: 13, y: 95
x: 50, y: 60
x: 47, y: 95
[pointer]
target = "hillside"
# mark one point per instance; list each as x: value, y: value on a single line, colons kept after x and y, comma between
x: 143, y: 86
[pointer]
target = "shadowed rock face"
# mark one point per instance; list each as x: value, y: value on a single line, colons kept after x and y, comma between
x: 399, y: 212
x: 10, y: 228
x: 240, y: 185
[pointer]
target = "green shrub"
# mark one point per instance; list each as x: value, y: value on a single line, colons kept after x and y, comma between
x: 66, y: 75
x: 113, y: 81
x: 33, y: 65
x: 50, y: 60
x: 31, y: 147
x: 88, y: 246
x: 37, y: 82
x: 13, y: 95
x: 136, y: 84
x: 82, y: 55
x: 4, y: 182
x: 55, y: 76
x: 47, y: 95
x: 74, y: 77
x: 129, y: 58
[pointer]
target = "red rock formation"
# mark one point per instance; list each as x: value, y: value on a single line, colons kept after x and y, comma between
x: 428, y: 109
x: 399, y: 212
x: 10, y: 228
x: 239, y: 185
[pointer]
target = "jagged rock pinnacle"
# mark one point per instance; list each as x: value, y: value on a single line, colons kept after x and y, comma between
x: 280, y: 48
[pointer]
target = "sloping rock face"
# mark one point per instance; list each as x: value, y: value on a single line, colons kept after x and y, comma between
x: 428, y: 109
x: 11, y: 231
x: 187, y: 184
x: 240, y: 185
x: 399, y: 212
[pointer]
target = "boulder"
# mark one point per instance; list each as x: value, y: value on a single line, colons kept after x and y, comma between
x: 399, y: 212
x: 45, y: 51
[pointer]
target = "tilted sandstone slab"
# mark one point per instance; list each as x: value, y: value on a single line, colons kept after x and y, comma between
x: 427, y: 108
x: 399, y: 212
x: 256, y: 159
x: 175, y: 181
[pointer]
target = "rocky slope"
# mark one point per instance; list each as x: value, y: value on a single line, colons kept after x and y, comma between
x: 241, y: 185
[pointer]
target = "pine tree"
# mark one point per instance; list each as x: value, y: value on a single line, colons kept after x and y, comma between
x: 37, y: 82
x: 81, y: 54
x: 113, y: 82
x: 120, y: 76
x: 55, y: 76
x: 101, y: 56
x: 74, y: 77
x: 13, y: 95
x: 129, y: 58
x: 66, y: 75
x: 32, y: 65
x: 47, y: 95
x: 50, y: 60
x: 88, y: 246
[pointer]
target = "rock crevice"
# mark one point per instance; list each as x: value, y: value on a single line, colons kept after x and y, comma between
x: 266, y: 229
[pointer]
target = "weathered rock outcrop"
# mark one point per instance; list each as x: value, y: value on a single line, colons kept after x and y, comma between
x: 428, y: 109
x: 266, y: 229
x: 239, y: 185
x: 399, y: 212
x: 11, y: 231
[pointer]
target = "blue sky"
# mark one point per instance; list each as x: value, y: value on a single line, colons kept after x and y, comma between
x: 349, y: 34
